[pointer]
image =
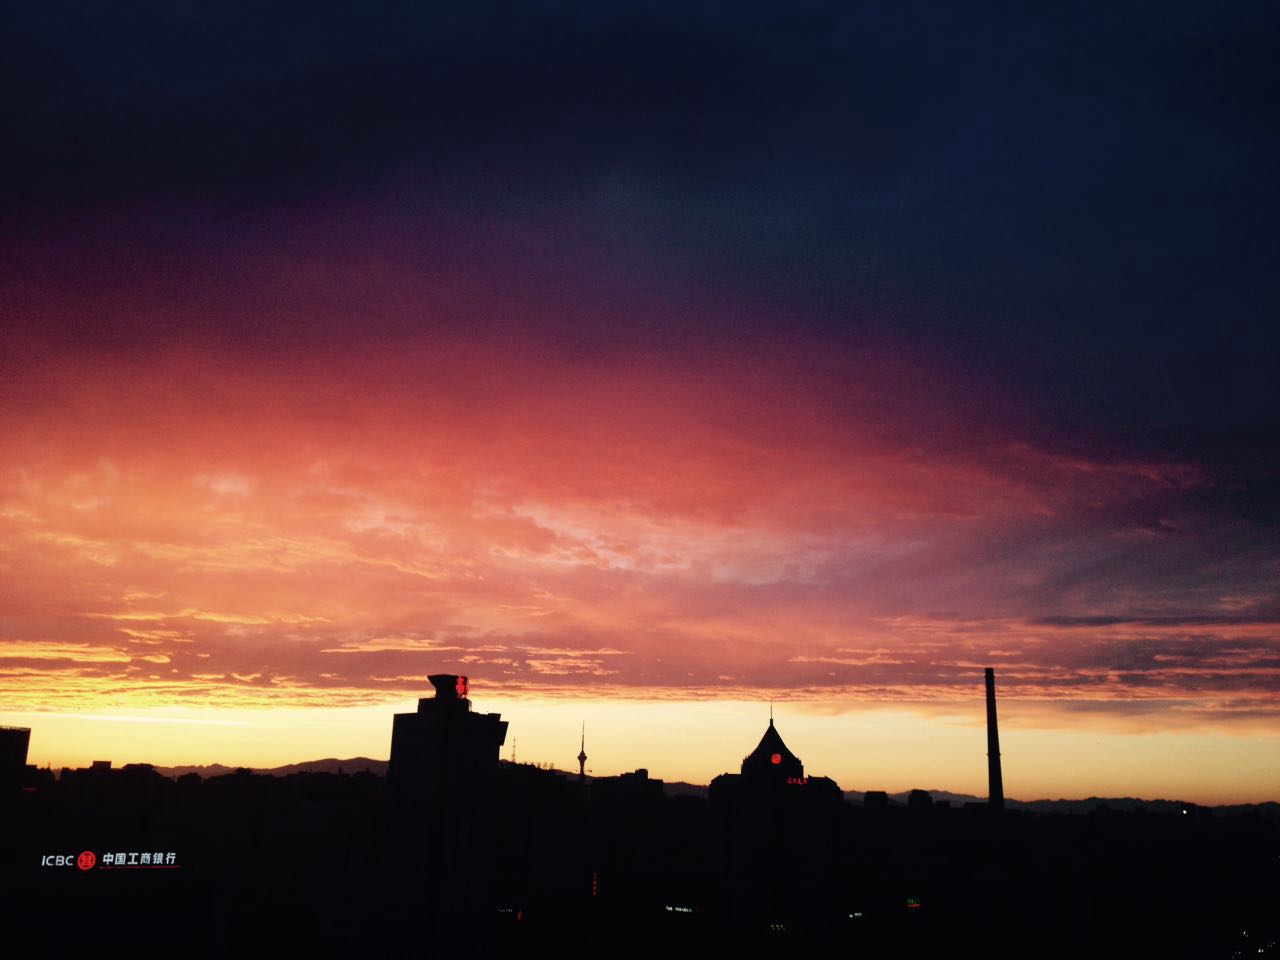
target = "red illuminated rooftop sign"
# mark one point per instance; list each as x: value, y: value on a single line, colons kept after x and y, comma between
x: 461, y: 687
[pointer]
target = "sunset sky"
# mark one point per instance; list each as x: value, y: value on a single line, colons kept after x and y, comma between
x: 646, y: 365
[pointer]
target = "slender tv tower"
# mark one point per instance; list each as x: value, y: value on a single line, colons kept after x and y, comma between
x: 995, y: 783
x: 582, y: 757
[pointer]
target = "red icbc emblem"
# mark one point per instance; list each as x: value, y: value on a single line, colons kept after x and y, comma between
x: 86, y: 860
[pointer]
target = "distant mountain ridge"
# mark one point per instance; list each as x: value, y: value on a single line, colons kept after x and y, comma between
x: 328, y: 765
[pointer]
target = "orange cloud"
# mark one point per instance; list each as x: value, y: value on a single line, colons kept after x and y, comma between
x: 217, y: 528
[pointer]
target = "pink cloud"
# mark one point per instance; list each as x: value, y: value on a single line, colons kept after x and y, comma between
x: 339, y: 526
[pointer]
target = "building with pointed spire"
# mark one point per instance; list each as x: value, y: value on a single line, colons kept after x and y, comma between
x: 582, y: 757
x: 772, y: 761
x: 778, y: 830
x: 769, y: 767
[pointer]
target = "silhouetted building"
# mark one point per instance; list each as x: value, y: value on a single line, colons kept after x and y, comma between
x: 626, y: 843
x: 442, y: 771
x: 14, y: 742
x: 637, y: 783
x: 444, y: 747
x: 779, y: 835
x: 876, y: 800
x: 919, y: 800
x: 582, y: 757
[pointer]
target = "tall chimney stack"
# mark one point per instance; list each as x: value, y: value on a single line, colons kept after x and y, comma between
x: 995, y: 783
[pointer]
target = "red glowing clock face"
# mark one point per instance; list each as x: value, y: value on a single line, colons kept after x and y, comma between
x: 461, y: 686
x: 776, y: 759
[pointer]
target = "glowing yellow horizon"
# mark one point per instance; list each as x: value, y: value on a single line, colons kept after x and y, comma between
x: 862, y: 748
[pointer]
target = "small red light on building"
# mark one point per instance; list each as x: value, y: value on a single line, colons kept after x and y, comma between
x: 776, y: 759
x: 595, y: 884
x: 461, y: 686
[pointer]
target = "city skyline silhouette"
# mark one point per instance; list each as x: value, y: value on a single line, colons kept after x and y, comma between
x: 457, y: 847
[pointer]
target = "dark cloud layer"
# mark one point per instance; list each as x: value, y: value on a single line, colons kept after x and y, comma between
x: 1077, y: 202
